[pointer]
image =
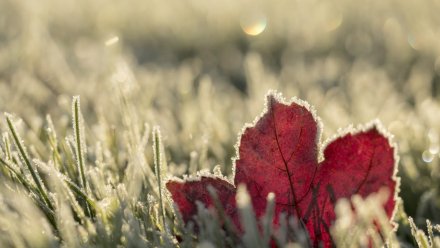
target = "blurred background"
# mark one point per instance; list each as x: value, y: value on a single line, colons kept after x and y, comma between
x: 200, y: 69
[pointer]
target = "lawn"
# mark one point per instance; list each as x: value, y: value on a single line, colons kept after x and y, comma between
x: 101, y: 102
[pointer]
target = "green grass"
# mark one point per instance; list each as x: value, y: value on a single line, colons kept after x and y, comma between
x: 99, y: 203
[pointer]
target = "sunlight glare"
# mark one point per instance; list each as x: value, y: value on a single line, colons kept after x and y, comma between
x: 253, y: 24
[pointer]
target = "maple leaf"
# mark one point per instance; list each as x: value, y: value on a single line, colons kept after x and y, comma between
x: 280, y: 153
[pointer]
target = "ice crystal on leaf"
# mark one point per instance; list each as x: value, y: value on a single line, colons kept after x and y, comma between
x: 280, y: 153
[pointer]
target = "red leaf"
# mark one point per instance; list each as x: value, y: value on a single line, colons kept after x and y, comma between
x: 280, y: 154
x: 186, y: 193
x: 356, y: 163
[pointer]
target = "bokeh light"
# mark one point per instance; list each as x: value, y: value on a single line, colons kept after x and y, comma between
x: 112, y: 41
x: 253, y: 24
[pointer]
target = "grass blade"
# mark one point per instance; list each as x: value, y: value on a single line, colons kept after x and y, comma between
x: 251, y: 237
x: 25, y: 158
x: 158, y: 168
x: 79, y: 148
x: 268, y: 217
x: 78, y: 140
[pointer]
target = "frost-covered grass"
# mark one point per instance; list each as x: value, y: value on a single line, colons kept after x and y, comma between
x: 91, y: 174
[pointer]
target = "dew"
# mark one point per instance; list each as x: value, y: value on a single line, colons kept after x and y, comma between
x: 427, y: 157
x: 434, y: 148
x: 217, y: 170
x: 253, y: 24
x: 112, y: 41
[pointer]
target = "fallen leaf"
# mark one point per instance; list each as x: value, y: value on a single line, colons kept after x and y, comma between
x: 280, y: 153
